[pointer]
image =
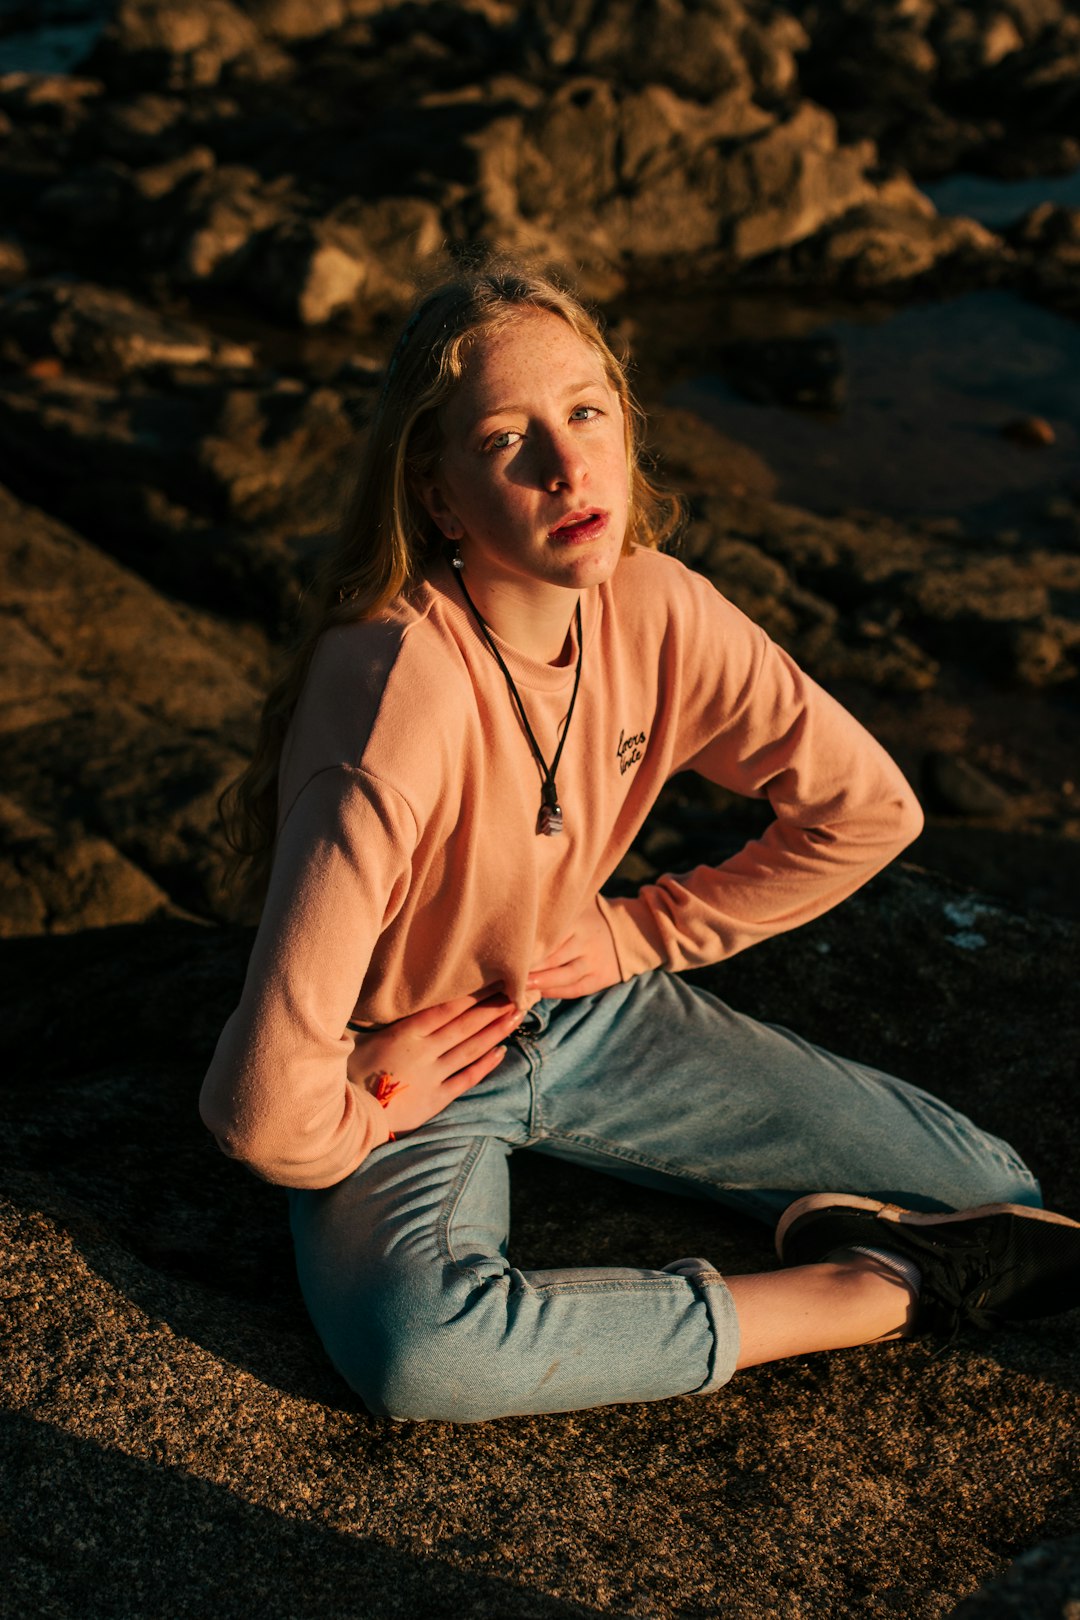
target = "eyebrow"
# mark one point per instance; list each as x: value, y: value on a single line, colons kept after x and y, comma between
x: 568, y: 393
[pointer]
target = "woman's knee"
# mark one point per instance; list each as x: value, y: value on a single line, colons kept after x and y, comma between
x: 993, y: 1173
x: 394, y: 1380
x: 420, y: 1356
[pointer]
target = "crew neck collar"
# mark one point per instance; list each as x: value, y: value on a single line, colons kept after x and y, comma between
x: 525, y: 671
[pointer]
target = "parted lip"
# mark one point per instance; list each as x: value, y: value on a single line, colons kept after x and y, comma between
x: 586, y: 515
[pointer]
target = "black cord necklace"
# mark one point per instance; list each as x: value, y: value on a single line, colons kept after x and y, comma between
x: 550, y: 820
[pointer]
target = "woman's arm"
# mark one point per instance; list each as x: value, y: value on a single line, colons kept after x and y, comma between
x: 416, y: 1066
x: 583, y: 961
x: 842, y: 807
x: 278, y: 1093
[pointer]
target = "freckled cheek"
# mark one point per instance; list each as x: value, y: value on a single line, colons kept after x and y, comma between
x: 501, y: 517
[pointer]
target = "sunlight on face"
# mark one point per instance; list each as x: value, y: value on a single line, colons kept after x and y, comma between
x: 533, y: 482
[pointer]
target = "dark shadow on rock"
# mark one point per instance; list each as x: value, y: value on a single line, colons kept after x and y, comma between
x: 949, y: 989
x: 157, y: 1334
x: 184, y: 1233
x: 113, y: 1537
x: 1042, y: 1584
x: 915, y: 976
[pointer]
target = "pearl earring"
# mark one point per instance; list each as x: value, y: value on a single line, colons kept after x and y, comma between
x: 456, y: 559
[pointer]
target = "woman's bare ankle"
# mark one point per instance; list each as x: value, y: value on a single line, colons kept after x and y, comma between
x: 836, y: 1304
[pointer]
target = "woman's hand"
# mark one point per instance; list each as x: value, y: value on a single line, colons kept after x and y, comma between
x: 434, y: 1055
x: 584, y: 961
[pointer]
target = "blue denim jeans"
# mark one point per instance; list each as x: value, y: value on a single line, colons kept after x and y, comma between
x: 403, y: 1265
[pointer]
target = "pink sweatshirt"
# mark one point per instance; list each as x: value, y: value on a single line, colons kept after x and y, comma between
x: 408, y: 869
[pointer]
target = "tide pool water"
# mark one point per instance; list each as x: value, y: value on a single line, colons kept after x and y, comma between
x: 997, y: 203
x: 929, y: 389
x: 49, y: 36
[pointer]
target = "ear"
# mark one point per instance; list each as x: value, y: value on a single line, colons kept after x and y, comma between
x: 440, y: 514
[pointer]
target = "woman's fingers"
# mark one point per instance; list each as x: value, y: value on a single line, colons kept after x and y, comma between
x: 558, y: 969
x: 443, y: 1013
x: 419, y: 1097
x: 475, y: 1022
x: 464, y: 1079
x: 563, y: 982
x: 476, y: 1041
x: 583, y: 962
x: 567, y: 950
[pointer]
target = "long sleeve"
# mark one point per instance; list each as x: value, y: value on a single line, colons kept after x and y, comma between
x: 843, y: 811
x: 277, y: 1094
x: 408, y: 871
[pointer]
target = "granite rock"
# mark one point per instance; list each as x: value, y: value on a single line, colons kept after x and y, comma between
x: 175, y: 1439
x: 124, y: 717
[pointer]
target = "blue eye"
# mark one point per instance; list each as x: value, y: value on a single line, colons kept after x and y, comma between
x: 504, y: 440
x: 585, y: 413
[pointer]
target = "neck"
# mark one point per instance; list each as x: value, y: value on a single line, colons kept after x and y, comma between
x: 534, y: 622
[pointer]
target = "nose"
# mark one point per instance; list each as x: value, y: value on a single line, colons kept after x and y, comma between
x: 563, y: 464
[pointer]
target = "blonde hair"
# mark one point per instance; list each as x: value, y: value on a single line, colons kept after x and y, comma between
x: 388, y: 535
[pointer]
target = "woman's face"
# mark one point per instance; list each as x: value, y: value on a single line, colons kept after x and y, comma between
x: 532, y: 482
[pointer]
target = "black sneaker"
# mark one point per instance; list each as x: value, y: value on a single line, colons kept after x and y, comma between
x: 981, y: 1268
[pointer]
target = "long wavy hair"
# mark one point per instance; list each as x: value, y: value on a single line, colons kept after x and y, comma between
x: 387, y: 536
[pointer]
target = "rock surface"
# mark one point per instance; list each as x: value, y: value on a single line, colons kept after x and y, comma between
x: 253, y: 147
x: 175, y: 1439
x: 220, y: 487
x: 941, y: 86
x: 258, y: 147
x: 123, y: 718
x: 1042, y: 1584
x: 101, y: 330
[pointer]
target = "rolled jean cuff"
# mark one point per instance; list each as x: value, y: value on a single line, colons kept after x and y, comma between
x: 723, y: 1320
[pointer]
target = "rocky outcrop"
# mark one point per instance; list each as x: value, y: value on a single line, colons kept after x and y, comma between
x: 257, y: 148
x: 162, y: 1381
x: 124, y: 717
x: 103, y: 331
x: 1047, y: 242
x: 889, y: 243
x: 635, y: 174
x: 182, y: 45
x: 1042, y: 1584
x: 872, y: 599
x: 56, y: 877
x: 313, y: 157
x: 216, y: 480
x: 939, y: 86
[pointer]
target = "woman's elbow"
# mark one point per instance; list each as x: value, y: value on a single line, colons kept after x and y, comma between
x: 248, y: 1135
x: 283, y: 1156
x: 242, y: 1140
x: 909, y: 819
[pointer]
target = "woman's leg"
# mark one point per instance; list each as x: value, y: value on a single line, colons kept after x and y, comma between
x: 403, y: 1265
x: 832, y: 1306
x: 658, y: 1081
x: 404, y: 1272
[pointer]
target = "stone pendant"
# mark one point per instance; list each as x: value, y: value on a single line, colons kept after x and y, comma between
x: 549, y: 821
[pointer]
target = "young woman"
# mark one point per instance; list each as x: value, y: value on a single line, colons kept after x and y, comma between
x: 504, y: 672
